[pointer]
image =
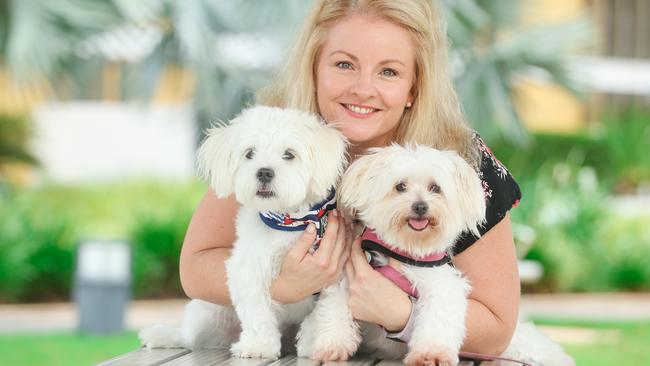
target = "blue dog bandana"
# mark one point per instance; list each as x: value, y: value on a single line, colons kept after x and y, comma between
x: 317, y: 215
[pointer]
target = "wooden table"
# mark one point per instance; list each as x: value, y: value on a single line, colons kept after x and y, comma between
x: 184, y: 357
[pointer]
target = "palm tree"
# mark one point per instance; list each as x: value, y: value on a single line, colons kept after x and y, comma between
x: 70, y: 41
x: 62, y: 40
x: 491, y: 48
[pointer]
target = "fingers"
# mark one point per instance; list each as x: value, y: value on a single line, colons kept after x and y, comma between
x: 328, y: 243
x: 357, y: 257
x: 303, y: 244
x: 349, y: 271
x: 341, y: 241
x: 345, y: 254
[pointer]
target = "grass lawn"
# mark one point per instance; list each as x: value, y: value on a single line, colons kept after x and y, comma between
x: 63, y: 349
x: 629, y: 347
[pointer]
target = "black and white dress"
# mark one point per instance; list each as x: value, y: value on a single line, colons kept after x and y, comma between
x: 501, y: 194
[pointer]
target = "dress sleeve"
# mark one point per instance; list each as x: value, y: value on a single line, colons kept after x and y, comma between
x: 501, y: 194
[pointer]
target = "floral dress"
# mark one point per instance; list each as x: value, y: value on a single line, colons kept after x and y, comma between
x: 501, y: 194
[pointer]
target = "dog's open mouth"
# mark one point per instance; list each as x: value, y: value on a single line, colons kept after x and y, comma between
x: 264, y: 191
x: 418, y: 223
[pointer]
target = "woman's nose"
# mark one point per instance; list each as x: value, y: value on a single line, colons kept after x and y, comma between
x: 363, y: 86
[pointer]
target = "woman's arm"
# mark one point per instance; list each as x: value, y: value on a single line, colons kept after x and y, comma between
x: 209, y: 240
x: 490, y: 264
x: 207, y: 245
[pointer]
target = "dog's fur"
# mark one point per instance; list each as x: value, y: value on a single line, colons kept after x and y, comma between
x: 452, y: 192
x: 307, y: 158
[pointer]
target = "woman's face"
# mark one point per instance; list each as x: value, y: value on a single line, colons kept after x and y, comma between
x: 365, y: 74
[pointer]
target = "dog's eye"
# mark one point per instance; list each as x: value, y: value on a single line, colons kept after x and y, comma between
x: 250, y: 153
x: 434, y: 188
x: 288, y: 155
x: 400, y: 187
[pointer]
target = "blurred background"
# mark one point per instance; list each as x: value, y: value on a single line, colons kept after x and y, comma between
x: 103, y: 102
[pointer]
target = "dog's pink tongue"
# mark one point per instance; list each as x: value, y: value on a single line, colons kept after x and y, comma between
x: 418, y: 224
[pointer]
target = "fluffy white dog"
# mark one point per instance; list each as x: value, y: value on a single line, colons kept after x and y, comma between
x: 282, y: 166
x: 415, y: 201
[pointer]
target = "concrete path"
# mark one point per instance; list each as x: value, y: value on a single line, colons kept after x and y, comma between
x: 29, y: 318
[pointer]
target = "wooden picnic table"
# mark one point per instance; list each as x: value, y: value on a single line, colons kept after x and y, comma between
x: 185, y: 357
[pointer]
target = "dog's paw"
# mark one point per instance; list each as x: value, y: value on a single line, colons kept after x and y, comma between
x: 257, y: 347
x: 332, y: 353
x: 338, y: 346
x: 160, y: 336
x: 433, y: 356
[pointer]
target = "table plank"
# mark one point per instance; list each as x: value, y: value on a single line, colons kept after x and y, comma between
x: 201, y: 357
x: 207, y: 357
x: 146, y: 357
x: 390, y: 363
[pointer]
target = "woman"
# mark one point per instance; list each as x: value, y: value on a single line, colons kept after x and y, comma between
x: 379, y: 70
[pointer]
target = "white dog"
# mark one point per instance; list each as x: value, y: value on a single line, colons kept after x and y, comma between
x: 415, y: 201
x: 282, y: 166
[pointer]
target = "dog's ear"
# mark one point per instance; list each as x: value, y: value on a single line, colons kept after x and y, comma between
x: 216, y: 162
x: 328, y: 152
x: 470, y: 195
x: 355, y: 191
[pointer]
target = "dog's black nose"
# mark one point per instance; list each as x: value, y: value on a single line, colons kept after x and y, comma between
x: 265, y: 175
x: 420, y: 208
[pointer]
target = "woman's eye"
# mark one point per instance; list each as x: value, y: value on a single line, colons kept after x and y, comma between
x: 288, y: 155
x: 250, y: 154
x: 344, y: 65
x: 388, y: 72
x: 434, y: 188
x: 400, y: 187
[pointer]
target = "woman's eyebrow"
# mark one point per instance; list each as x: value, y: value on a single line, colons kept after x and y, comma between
x: 356, y: 59
x: 353, y: 57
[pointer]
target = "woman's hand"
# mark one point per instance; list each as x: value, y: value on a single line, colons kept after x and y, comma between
x: 373, y: 297
x: 304, y: 274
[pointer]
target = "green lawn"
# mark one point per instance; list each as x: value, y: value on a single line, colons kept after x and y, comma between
x: 69, y: 349
x: 63, y: 349
x: 629, y: 348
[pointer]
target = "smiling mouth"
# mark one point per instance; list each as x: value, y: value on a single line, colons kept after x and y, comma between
x: 264, y: 191
x: 418, y: 223
x: 359, y: 109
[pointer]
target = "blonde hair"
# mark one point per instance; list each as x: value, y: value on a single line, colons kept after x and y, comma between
x: 435, y: 118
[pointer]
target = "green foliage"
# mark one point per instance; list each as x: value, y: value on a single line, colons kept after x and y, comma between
x: 566, y: 182
x: 626, y: 248
x: 36, y: 250
x: 40, y: 228
x: 564, y: 205
x: 626, y: 140
x: 157, y: 235
x: 14, y: 134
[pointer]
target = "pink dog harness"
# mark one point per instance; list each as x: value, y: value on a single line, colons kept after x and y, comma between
x: 379, y: 249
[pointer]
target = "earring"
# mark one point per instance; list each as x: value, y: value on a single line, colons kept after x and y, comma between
x: 408, y: 105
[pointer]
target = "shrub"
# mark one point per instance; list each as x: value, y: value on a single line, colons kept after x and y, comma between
x: 157, y: 234
x: 15, y: 131
x: 626, y: 247
x: 36, y: 250
x: 564, y: 205
x: 40, y: 228
x: 626, y: 140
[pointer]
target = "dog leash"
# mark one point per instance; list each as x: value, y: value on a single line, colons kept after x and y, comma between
x: 477, y: 358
